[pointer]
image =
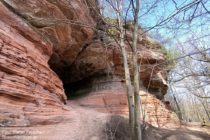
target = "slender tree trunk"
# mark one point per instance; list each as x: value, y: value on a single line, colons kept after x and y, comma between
x: 178, y: 108
x: 205, y: 109
x: 177, y: 105
x: 129, y: 91
x: 138, y: 134
x: 126, y: 70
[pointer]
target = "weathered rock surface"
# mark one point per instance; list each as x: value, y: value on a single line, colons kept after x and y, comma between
x: 67, y: 24
x: 30, y: 92
x: 45, y: 39
x: 110, y: 97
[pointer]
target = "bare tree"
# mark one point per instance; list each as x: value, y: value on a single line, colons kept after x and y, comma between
x: 136, y: 8
x: 132, y: 91
x: 126, y: 68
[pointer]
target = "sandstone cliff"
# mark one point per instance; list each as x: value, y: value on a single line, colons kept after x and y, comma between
x: 47, y: 46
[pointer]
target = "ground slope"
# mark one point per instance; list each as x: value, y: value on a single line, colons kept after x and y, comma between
x: 88, y: 124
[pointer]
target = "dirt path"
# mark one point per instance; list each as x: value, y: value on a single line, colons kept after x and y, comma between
x: 84, y: 124
x: 87, y: 124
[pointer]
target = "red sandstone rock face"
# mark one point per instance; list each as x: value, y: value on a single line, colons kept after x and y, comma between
x: 99, y: 61
x: 29, y: 89
x: 67, y: 24
x: 61, y: 32
x: 93, y: 60
x: 32, y: 32
x: 157, y: 112
x: 79, y: 51
x: 114, y: 100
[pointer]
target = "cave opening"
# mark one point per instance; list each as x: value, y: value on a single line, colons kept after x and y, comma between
x: 73, y: 87
x: 78, y: 89
x: 78, y: 84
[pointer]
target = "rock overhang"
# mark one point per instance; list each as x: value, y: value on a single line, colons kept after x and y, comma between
x: 72, y: 51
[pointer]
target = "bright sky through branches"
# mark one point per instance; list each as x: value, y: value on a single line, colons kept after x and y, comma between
x: 170, y: 20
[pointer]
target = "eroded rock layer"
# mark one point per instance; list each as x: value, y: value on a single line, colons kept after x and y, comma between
x: 108, y: 95
x: 67, y: 24
x: 30, y: 92
x: 45, y: 44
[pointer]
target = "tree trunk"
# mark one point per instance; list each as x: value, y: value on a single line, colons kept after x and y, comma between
x: 178, y: 108
x: 138, y: 135
x: 205, y: 109
x: 126, y: 70
x: 129, y: 91
x: 177, y: 105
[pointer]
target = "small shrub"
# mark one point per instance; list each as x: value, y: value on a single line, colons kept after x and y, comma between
x: 151, y: 44
x: 170, y: 56
x: 117, y: 128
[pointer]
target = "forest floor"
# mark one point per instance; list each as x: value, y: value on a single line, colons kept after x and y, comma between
x: 87, y: 124
x: 185, y: 132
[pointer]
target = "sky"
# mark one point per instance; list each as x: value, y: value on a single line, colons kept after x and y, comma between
x: 179, y: 28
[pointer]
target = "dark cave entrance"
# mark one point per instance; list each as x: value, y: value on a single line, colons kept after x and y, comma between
x: 74, y: 87
x: 80, y: 80
x: 78, y: 89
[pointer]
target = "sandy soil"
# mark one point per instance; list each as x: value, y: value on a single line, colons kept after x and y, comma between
x: 84, y: 125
